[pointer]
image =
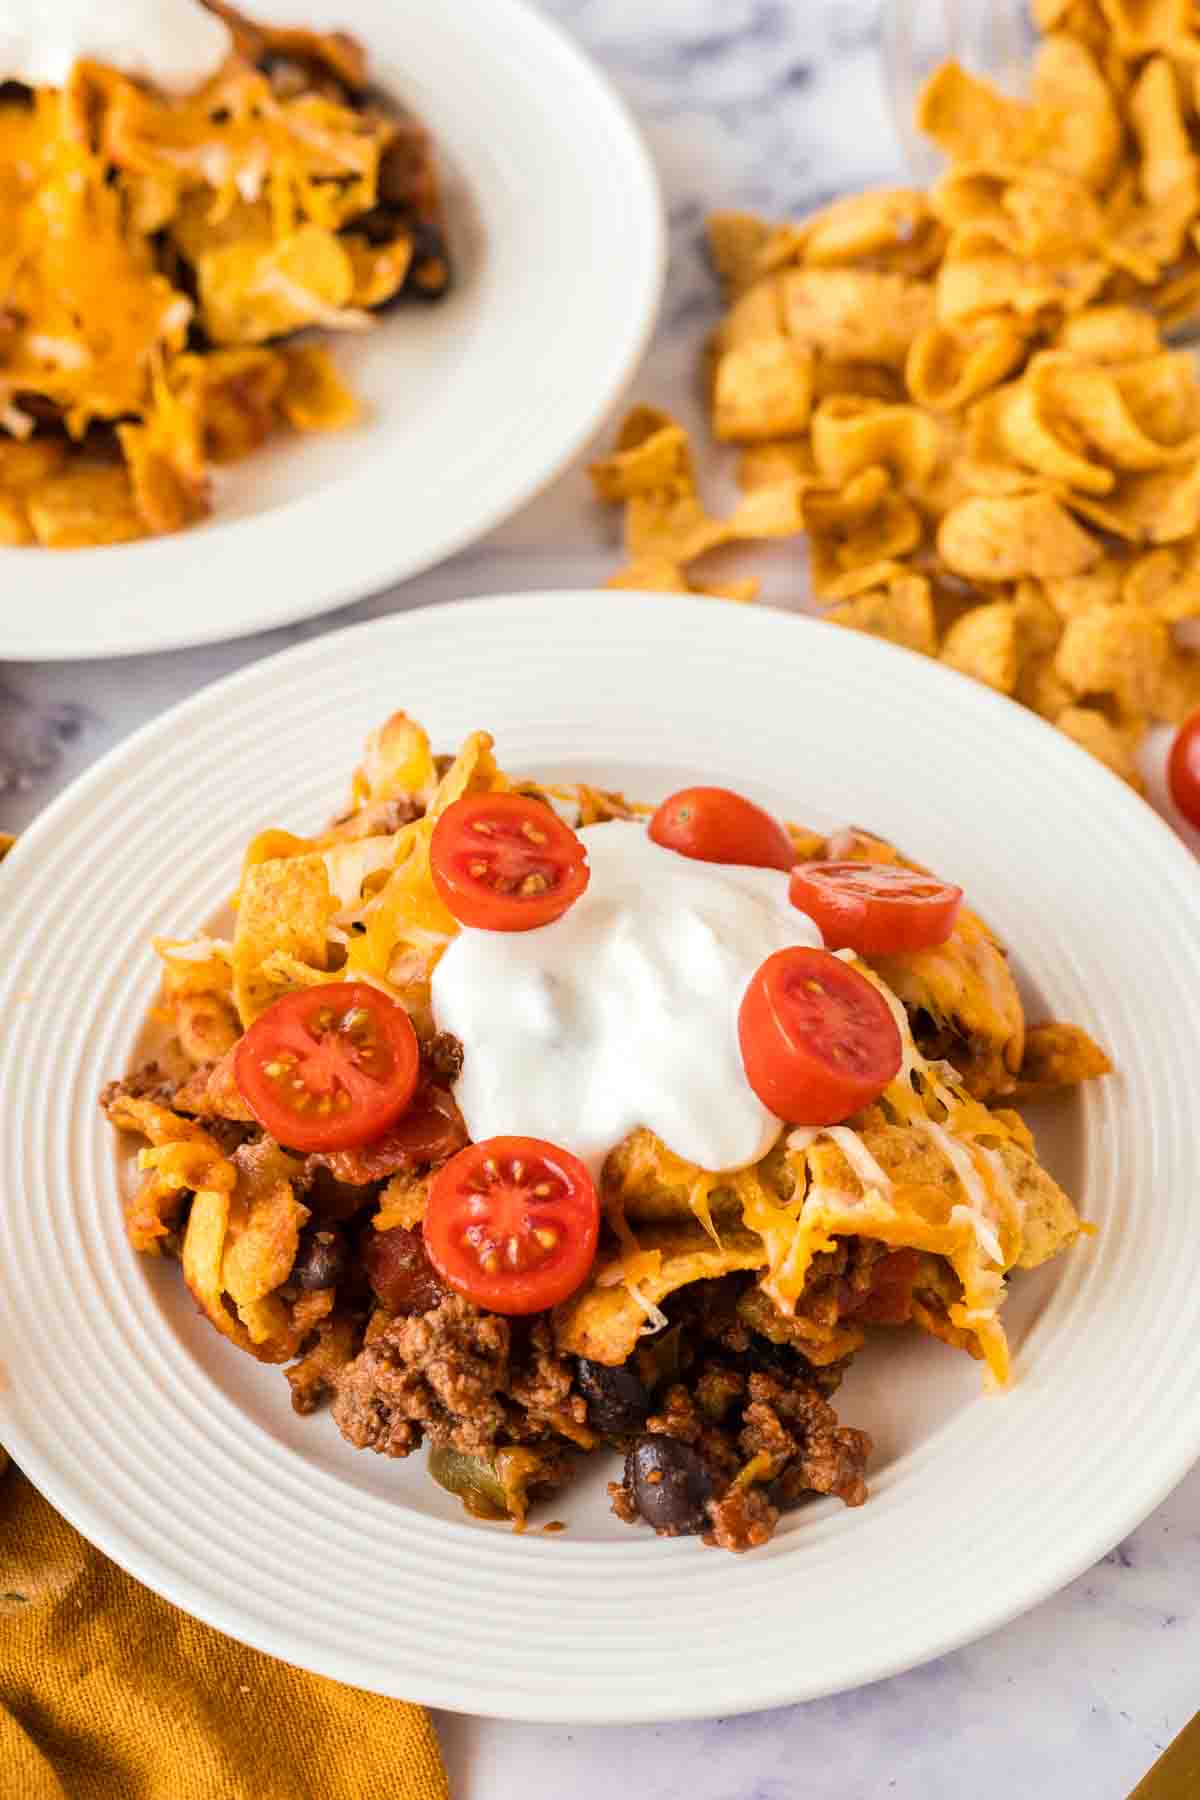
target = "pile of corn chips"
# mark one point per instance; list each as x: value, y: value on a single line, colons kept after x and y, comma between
x: 152, y: 251
x: 963, y: 397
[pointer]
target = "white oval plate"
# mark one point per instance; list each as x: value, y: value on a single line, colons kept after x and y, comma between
x: 471, y: 405
x: 182, y: 1459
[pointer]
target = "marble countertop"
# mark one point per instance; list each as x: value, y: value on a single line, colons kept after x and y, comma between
x: 772, y: 106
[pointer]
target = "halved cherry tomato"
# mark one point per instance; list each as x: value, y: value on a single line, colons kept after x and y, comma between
x: 818, y: 1041
x: 504, y: 862
x: 1183, y: 770
x: 713, y: 824
x: 512, y: 1223
x: 328, y: 1067
x: 876, y: 909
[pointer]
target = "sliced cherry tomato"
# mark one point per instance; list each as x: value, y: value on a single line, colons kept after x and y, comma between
x: 328, y: 1067
x: 876, y: 909
x: 504, y: 862
x: 713, y: 824
x: 512, y: 1223
x: 888, y: 1300
x: 1183, y: 770
x: 818, y: 1041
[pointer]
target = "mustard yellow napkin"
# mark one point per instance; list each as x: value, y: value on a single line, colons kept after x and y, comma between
x: 109, y: 1693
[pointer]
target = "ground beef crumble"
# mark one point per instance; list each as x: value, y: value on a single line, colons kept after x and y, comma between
x: 795, y: 1423
x: 440, y: 1374
x: 756, y: 1413
x: 150, y: 1082
x: 542, y: 1378
x: 729, y: 1379
x: 683, y: 1416
x: 741, y: 1519
x: 467, y: 1380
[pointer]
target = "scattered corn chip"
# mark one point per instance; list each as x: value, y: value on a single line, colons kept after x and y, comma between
x: 1004, y: 539
x: 776, y: 511
x: 1168, y: 167
x: 762, y: 389
x: 1166, y: 582
x: 652, y: 454
x: 756, y: 314
x: 1162, y: 507
x: 1038, y: 624
x: 1072, y: 594
x: 671, y: 527
x: 980, y: 277
x: 1040, y: 688
x: 1117, y: 650
x: 861, y: 380
x: 651, y: 575
x: 742, y: 591
x: 855, y: 315
x: 984, y: 643
x: 1177, y: 694
x: 902, y: 613
x: 858, y: 531
x: 735, y: 241
x: 1112, y: 744
x: 1107, y: 334
x: 1017, y: 429
x: 970, y: 122
x: 770, y: 465
x: 1139, y: 26
x: 1134, y: 416
x: 1078, y: 121
x: 851, y: 434
x: 946, y: 369
x: 894, y: 231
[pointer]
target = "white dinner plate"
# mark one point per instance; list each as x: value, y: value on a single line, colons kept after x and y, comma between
x: 182, y: 1459
x: 471, y: 405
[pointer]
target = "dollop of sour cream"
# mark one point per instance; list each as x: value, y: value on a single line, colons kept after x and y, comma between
x: 176, y: 45
x: 624, y: 1011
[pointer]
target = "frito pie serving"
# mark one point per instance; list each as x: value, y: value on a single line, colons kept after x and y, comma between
x: 181, y: 192
x: 530, y: 1123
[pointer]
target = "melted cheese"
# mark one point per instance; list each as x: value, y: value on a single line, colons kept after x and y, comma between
x: 860, y: 1159
x: 969, y: 1232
